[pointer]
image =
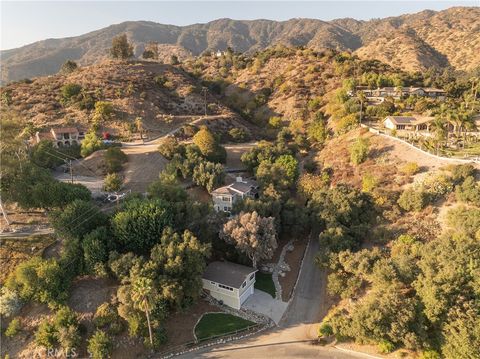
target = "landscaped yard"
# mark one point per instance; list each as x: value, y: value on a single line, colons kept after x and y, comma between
x: 264, y: 282
x: 215, y: 324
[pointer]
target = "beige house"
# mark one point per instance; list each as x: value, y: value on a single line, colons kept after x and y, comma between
x: 225, y: 197
x: 61, y: 137
x: 408, y: 123
x: 229, y: 282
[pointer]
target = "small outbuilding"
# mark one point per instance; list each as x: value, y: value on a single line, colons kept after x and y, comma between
x: 229, y: 282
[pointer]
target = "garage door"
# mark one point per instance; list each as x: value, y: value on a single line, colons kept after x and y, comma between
x: 246, y: 294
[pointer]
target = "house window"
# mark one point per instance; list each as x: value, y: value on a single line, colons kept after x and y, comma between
x: 226, y: 199
x: 226, y: 209
x: 226, y: 287
x: 400, y: 127
x: 252, y: 276
x: 213, y: 283
x: 244, y: 284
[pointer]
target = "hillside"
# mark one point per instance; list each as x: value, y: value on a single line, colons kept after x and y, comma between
x: 160, y: 94
x: 412, y: 42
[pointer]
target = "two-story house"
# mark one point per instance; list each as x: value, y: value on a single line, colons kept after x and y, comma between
x: 62, y: 136
x: 229, y: 282
x: 224, y: 197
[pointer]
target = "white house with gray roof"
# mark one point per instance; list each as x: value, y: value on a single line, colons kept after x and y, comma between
x: 224, y: 197
x: 229, y: 282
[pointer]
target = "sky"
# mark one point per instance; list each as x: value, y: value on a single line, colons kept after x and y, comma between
x: 24, y: 22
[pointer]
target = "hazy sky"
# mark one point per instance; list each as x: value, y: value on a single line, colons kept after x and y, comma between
x: 25, y: 22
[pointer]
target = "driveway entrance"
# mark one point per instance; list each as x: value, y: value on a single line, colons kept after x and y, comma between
x: 263, y: 303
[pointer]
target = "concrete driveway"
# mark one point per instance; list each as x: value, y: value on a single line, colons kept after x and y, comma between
x: 263, y: 303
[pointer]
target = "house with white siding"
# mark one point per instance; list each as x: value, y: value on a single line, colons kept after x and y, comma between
x: 229, y: 282
x: 225, y: 197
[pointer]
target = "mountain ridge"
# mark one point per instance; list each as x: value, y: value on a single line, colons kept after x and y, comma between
x: 442, y: 39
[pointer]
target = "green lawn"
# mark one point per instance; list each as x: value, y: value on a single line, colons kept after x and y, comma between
x: 214, y: 324
x: 264, y: 282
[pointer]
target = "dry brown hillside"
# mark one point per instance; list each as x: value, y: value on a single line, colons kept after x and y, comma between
x: 287, y: 80
x: 148, y: 90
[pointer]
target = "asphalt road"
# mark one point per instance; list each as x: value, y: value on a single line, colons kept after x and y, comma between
x: 307, y: 304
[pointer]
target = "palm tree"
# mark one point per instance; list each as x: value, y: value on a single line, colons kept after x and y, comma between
x: 440, y: 132
x: 142, y: 296
x: 362, y: 98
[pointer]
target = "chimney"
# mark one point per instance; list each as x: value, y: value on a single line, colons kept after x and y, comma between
x: 239, y: 179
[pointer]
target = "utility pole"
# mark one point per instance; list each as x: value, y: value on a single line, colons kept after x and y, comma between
x: 204, y: 91
x: 71, y: 170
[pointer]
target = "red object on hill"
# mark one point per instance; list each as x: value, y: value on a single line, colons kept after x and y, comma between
x: 106, y: 135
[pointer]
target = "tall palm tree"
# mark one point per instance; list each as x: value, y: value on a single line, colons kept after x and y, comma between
x: 361, y: 98
x: 143, y: 296
x: 440, y: 132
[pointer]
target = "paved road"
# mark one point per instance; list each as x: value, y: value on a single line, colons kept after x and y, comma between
x: 277, y: 343
x: 307, y: 304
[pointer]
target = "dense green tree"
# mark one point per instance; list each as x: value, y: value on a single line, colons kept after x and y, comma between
x: 39, y: 279
x: 169, y: 146
x: 100, y: 345
x: 469, y: 191
x: 114, y: 159
x: 96, y: 245
x: 77, y: 219
x: 412, y: 200
x: 44, y: 155
x: 462, y: 333
x: 209, y: 175
x: 112, y: 182
x: 138, y: 225
x: 103, y: 112
x: 90, y: 144
x: 121, y: 48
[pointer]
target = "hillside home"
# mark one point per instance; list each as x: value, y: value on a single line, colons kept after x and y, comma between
x: 398, y: 92
x: 229, y: 282
x: 61, y: 137
x: 225, y: 197
x: 408, y: 123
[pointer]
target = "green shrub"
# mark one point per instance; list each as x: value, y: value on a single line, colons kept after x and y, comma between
x: 100, y: 345
x: 238, y: 134
x: 106, y: 317
x: 410, y: 168
x: 359, y: 151
x: 13, y: 328
x: 412, y: 200
x: 69, y: 91
x: 112, y: 182
x: 369, y: 182
x: 325, y: 330
x: 469, y: 191
x: 386, y: 347
x: 46, y: 335
x: 114, y: 159
x: 275, y: 122
x: 169, y: 146
x: 429, y: 354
